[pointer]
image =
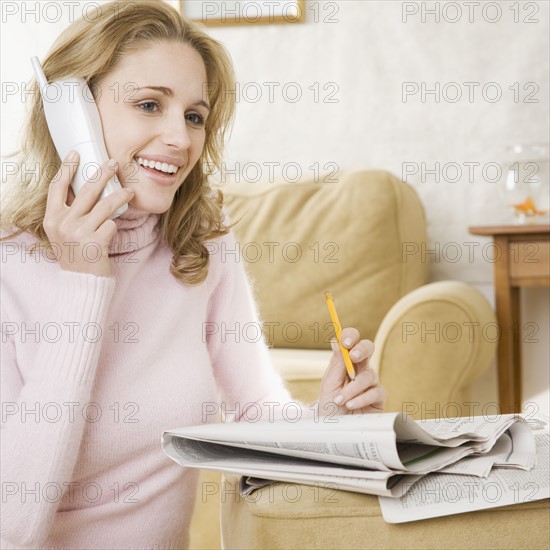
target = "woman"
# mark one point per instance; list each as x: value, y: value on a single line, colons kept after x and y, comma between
x: 103, y: 345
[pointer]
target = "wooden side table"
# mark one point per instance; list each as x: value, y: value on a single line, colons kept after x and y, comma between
x: 522, y: 258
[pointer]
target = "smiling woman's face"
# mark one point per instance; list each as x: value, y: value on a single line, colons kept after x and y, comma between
x: 153, y: 108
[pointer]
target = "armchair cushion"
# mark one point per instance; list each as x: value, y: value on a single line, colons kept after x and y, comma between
x: 349, y: 236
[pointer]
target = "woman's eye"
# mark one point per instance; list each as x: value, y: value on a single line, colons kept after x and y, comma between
x: 196, y: 119
x: 148, y: 106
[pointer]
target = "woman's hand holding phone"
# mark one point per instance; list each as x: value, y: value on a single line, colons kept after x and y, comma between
x: 80, y: 226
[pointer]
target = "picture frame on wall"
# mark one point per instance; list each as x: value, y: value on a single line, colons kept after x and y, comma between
x: 242, y: 12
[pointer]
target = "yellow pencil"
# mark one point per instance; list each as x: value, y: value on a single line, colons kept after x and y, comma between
x: 338, y: 330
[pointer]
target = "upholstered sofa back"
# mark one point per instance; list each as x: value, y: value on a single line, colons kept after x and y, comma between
x: 359, y: 237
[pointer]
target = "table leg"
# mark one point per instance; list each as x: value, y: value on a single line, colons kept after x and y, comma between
x: 515, y: 334
x: 508, y: 351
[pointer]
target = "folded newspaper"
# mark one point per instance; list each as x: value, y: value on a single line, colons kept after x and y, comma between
x: 448, y: 492
x: 381, y: 454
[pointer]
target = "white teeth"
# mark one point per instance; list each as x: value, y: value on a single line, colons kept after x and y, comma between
x: 161, y: 166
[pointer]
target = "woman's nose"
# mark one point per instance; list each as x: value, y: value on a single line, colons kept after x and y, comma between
x: 175, y: 132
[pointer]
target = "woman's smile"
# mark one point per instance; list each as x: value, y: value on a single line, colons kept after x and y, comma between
x: 161, y: 170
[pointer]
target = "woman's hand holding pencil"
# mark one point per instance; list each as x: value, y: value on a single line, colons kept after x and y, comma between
x: 348, y: 382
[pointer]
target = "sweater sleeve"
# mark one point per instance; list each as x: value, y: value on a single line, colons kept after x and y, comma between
x: 250, y: 387
x: 38, y: 455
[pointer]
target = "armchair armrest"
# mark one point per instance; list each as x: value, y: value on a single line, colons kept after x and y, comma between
x: 431, y: 346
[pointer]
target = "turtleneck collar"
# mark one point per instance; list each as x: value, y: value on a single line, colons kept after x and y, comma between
x: 136, y: 230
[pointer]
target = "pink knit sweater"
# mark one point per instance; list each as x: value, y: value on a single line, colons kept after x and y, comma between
x: 94, y: 369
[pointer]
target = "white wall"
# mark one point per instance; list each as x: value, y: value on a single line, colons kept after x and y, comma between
x: 362, y: 52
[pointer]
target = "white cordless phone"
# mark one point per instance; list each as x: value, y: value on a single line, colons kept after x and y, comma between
x: 74, y: 123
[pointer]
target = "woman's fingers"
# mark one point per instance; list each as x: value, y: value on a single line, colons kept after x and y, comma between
x: 106, y: 231
x: 70, y: 196
x: 362, y: 351
x: 373, y: 397
x: 360, y: 395
x: 349, y: 337
x: 60, y: 185
x: 75, y: 223
x: 89, y: 193
x: 365, y: 379
x: 359, y: 352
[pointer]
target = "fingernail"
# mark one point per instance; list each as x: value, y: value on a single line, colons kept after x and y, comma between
x: 113, y: 164
x: 350, y: 404
x: 129, y: 191
x: 355, y: 354
x: 338, y: 399
x: 347, y: 342
x: 72, y: 155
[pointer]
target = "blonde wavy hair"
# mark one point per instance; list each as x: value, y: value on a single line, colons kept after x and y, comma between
x: 90, y: 48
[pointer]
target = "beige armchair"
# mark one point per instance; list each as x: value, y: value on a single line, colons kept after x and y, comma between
x: 361, y: 237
